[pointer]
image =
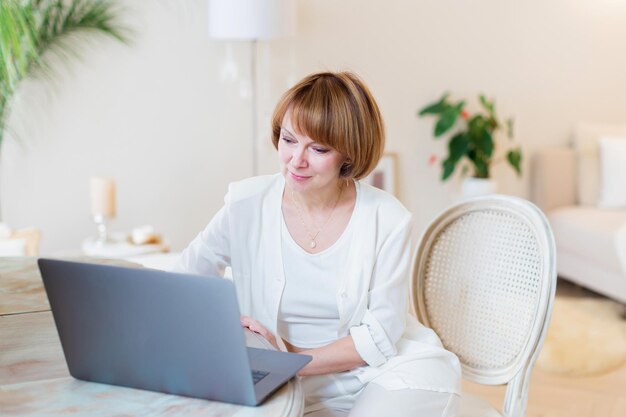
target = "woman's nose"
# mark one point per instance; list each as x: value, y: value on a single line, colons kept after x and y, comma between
x: 299, y: 158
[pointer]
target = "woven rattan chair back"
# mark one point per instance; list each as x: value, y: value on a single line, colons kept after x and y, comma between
x: 484, y: 278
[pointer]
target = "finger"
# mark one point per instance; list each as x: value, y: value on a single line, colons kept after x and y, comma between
x: 245, y: 321
x: 255, y: 324
x: 257, y: 328
x: 252, y: 325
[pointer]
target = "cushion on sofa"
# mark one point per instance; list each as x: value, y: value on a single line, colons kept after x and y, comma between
x: 613, y: 172
x: 586, y: 143
x: 589, y: 232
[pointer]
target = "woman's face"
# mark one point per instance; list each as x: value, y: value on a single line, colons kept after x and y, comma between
x: 305, y: 164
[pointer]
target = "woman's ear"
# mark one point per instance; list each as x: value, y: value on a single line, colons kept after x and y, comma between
x: 346, y: 167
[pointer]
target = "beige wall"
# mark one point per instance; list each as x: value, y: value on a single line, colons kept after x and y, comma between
x: 157, y: 116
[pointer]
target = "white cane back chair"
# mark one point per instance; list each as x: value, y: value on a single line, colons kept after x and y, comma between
x: 484, y: 279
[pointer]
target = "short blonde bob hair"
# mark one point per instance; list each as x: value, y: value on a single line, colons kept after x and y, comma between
x: 335, y: 109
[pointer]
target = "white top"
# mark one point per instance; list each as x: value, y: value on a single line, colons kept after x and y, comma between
x: 308, y: 316
x: 372, y: 293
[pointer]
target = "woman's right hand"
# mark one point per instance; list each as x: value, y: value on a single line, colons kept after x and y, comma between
x: 256, y: 327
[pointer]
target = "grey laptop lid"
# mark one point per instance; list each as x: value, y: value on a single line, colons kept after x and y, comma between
x: 159, y: 331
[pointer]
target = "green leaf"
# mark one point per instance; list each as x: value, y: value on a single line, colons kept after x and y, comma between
x: 448, y: 118
x: 515, y: 159
x: 481, y: 167
x: 471, y: 155
x: 483, y: 143
x: 17, y: 44
x: 448, y: 169
x: 488, y: 105
x: 509, y: 128
x: 477, y: 125
x: 437, y: 107
x: 458, y: 147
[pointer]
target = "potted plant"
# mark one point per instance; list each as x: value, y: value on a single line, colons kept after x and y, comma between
x: 472, y: 140
x: 33, y: 30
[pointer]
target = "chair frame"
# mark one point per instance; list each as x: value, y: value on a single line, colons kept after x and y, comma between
x: 516, y: 374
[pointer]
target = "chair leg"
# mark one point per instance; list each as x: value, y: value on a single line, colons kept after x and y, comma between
x: 516, y: 398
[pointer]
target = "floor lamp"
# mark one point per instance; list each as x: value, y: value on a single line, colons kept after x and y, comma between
x: 252, y: 20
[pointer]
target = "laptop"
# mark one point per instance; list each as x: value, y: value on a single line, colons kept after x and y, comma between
x: 160, y: 331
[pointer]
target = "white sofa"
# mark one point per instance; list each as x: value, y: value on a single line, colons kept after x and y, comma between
x: 591, y: 241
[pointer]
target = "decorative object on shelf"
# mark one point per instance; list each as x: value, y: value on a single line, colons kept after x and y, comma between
x: 103, y: 205
x: 124, y: 245
x: 473, y: 140
x: 384, y: 175
x: 251, y: 20
x: 145, y: 235
x: 141, y: 241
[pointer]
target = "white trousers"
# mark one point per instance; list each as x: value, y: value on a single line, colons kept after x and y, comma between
x: 375, y: 401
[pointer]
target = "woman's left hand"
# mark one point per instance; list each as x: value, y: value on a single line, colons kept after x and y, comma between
x: 256, y: 327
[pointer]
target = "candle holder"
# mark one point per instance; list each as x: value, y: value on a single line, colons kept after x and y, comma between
x: 102, y: 190
x: 101, y: 226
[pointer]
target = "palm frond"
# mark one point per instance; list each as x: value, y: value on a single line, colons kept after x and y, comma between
x: 33, y: 28
x: 17, y: 43
x: 17, y: 49
x: 79, y: 15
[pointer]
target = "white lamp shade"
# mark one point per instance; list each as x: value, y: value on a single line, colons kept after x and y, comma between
x: 251, y: 19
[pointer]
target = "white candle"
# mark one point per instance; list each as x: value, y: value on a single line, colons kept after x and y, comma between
x: 102, y: 196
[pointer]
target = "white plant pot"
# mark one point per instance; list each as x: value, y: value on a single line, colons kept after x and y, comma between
x: 475, y: 187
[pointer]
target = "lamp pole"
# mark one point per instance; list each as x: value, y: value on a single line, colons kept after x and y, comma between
x: 253, y: 106
x: 252, y: 20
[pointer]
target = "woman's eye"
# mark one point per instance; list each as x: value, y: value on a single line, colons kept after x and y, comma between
x: 288, y: 140
x: 321, y: 150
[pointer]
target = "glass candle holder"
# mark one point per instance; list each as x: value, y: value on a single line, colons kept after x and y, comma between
x: 102, y: 205
x: 101, y: 226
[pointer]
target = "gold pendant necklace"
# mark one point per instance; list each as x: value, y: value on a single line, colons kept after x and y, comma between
x: 313, y: 243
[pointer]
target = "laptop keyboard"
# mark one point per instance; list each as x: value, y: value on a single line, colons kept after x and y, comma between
x: 258, y: 375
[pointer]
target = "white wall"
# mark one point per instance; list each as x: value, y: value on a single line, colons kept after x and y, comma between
x: 156, y: 115
x: 153, y: 114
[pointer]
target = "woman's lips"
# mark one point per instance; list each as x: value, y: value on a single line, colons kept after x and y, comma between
x: 298, y: 177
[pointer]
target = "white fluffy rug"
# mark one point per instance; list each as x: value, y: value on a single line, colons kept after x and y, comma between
x: 586, y: 336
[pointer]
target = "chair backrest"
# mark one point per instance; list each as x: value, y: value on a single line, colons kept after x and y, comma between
x: 484, y: 279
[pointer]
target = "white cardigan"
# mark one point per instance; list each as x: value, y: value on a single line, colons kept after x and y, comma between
x: 372, y: 298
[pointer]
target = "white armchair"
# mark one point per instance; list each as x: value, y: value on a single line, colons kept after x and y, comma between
x: 484, y: 279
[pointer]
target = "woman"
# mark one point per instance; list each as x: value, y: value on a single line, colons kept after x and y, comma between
x: 320, y: 261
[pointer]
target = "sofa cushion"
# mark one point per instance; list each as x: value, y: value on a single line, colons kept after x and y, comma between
x: 613, y: 172
x: 586, y: 143
x: 589, y: 232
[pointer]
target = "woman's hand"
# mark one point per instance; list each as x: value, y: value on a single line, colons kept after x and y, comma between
x: 258, y: 328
